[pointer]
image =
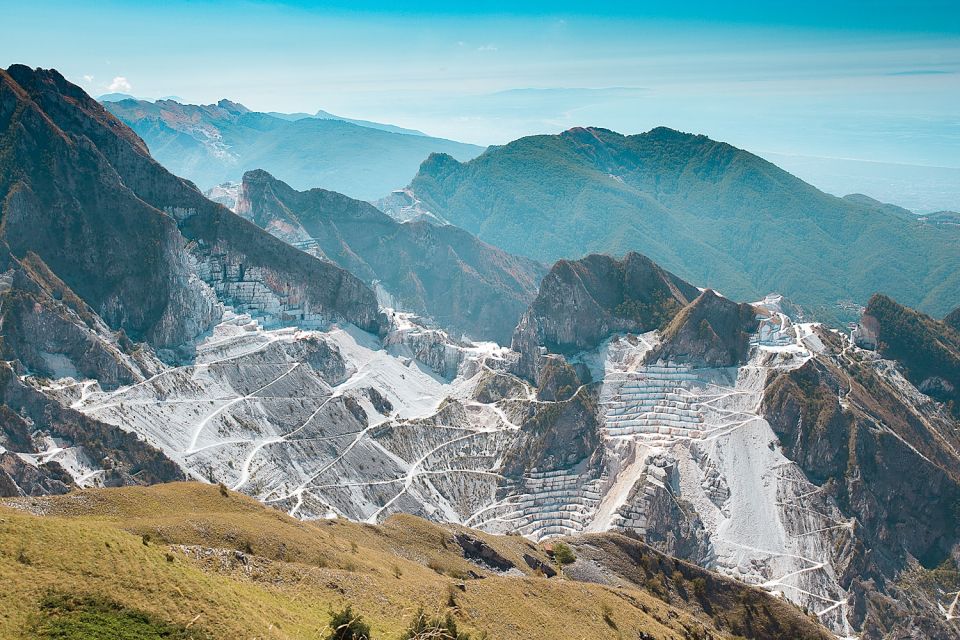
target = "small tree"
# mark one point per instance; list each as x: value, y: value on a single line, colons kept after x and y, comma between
x: 563, y: 553
x: 347, y: 625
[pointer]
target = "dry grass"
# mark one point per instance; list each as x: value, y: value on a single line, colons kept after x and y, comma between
x: 91, y: 543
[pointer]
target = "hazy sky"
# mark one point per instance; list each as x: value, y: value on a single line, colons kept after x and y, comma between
x: 873, y: 80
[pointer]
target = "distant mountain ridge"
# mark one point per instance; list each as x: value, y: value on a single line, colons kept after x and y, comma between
x: 215, y: 143
x: 326, y: 115
x: 443, y: 272
x: 115, y: 97
x: 707, y: 211
x: 915, y: 187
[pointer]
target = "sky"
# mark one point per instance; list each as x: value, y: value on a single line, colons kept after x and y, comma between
x: 876, y: 81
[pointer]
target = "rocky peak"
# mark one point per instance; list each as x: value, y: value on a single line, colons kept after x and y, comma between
x: 102, y: 454
x: 666, y: 134
x: 710, y: 331
x: 143, y: 248
x: 439, y: 165
x: 582, y: 302
x: 266, y: 200
x: 232, y: 107
x: 586, y: 134
x: 65, y: 103
x: 64, y: 200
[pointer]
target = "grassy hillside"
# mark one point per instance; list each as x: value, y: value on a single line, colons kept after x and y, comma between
x: 711, y: 213
x: 210, y: 144
x: 186, y: 560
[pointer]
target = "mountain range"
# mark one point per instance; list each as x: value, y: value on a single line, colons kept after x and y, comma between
x: 211, y: 144
x: 442, y: 272
x: 710, y: 212
x: 113, y: 265
x: 677, y: 463
x: 326, y: 115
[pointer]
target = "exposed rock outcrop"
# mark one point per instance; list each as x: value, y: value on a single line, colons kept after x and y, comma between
x: 582, y: 302
x: 49, y: 448
x: 558, y: 436
x: 54, y: 334
x: 859, y: 432
x: 432, y: 347
x: 142, y: 248
x: 64, y: 199
x: 926, y: 349
x: 710, y: 331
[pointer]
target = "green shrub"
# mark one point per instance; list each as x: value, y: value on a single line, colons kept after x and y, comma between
x: 64, y: 617
x: 347, y: 625
x: 563, y: 553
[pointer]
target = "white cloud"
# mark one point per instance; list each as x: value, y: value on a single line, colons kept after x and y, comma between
x: 487, y: 47
x: 120, y: 84
x: 87, y: 78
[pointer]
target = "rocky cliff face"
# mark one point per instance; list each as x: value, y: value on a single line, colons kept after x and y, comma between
x: 257, y: 273
x: 582, y: 302
x: 53, y: 333
x: 441, y: 272
x: 49, y: 448
x: 144, y: 249
x: 927, y: 350
x: 64, y: 200
x: 887, y: 456
x: 711, y: 331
